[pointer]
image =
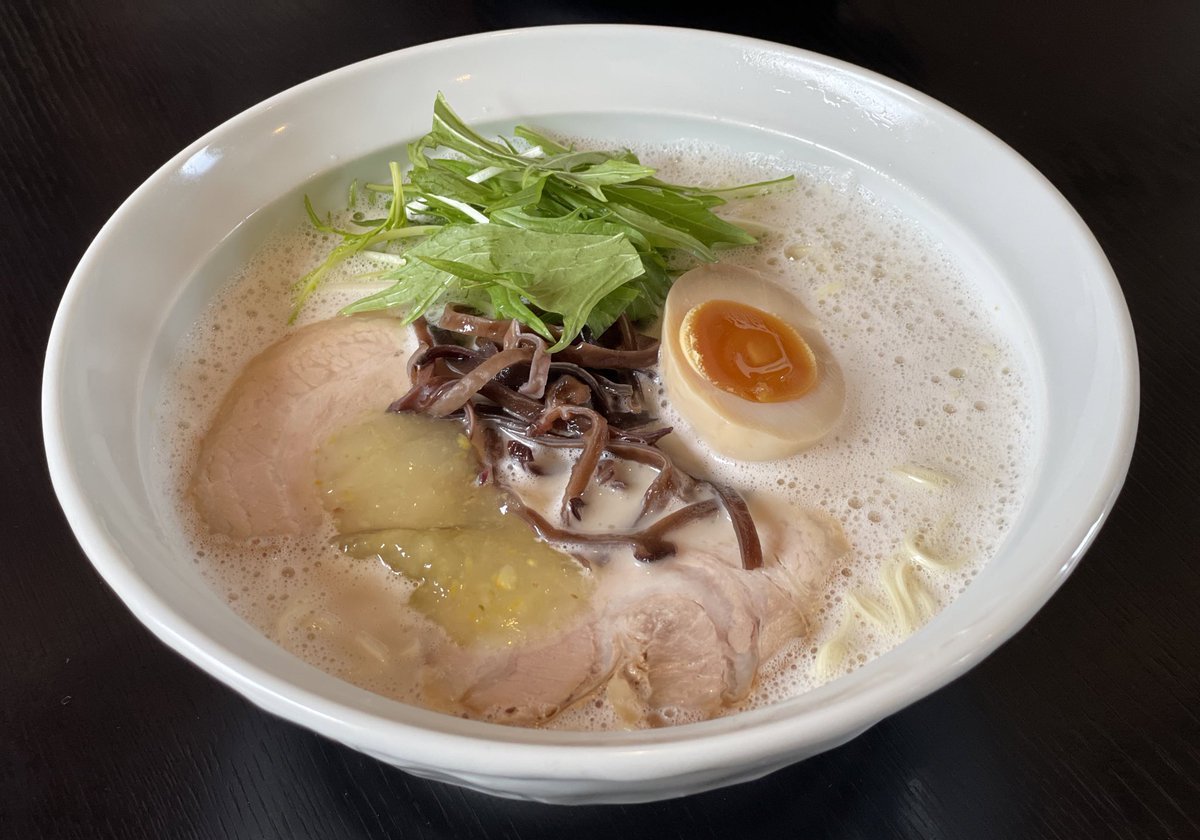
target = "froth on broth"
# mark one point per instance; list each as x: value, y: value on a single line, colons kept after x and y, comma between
x: 920, y: 478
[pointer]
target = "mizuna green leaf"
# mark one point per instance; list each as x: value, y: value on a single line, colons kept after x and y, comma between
x: 529, y: 229
x: 561, y: 274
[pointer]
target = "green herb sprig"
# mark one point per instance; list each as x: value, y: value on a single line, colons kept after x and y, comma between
x: 545, y: 234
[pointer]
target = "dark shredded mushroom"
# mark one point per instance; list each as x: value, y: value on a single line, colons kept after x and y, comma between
x: 455, y: 397
x: 647, y: 544
x: 609, y: 358
x: 595, y: 436
x: 568, y: 390
x: 513, y: 404
x: 515, y: 397
x: 743, y: 526
x: 523, y: 455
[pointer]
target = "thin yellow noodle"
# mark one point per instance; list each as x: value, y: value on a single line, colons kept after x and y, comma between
x: 904, y: 591
x: 289, y: 620
x: 929, y: 604
x: 924, y: 476
x: 303, y: 615
x: 375, y: 648
x: 922, y: 556
x: 330, y: 620
x: 871, y: 609
x: 832, y: 653
x: 907, y: 587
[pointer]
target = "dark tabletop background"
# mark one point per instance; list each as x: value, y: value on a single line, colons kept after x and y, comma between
x: 1084, y: 725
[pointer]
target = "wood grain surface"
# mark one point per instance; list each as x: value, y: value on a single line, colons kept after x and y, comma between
x: 1085, y: 725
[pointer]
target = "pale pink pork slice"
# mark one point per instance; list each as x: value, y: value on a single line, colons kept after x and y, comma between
x: 255, y: 472
x: 687, y: 634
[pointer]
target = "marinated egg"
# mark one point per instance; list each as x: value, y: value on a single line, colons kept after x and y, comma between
x: 744, y: 362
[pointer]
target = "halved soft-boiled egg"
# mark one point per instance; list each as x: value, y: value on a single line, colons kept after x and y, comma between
x: 745, y: 364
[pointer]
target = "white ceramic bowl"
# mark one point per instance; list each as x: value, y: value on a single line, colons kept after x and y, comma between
x: 154, y: 264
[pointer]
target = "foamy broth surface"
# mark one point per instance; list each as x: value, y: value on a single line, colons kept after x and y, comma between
x: 932, y: 381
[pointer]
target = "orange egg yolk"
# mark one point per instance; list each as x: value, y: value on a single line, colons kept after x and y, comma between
x: 748, y: 352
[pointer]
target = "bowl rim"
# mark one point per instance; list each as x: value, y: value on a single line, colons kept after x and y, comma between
x: 424, y: 737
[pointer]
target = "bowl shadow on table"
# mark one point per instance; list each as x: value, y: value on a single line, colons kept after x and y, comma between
x: 801, y: 797
x: 901, y: 778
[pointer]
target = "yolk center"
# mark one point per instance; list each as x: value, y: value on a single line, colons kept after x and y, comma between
x: 748, y: 352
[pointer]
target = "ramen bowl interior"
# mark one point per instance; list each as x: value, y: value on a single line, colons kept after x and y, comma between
x: 161, y: 257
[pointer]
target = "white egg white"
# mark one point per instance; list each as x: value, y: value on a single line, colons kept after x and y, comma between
x: 731, y: 425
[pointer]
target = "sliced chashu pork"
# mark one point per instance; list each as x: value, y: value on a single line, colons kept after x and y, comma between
x: 686, y: 632
x: 255, y: 472
x: 529, y: 684
x: 691, y: 642
x: 684, y: 636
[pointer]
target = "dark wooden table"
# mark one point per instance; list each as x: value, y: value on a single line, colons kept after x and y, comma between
x: 1085, y: 725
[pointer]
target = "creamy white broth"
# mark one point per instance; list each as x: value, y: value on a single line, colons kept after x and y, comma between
x: 932, y: 382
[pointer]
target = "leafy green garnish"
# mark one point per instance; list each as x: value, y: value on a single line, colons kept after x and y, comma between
x: 561, y: 274
x: 530, y: 229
